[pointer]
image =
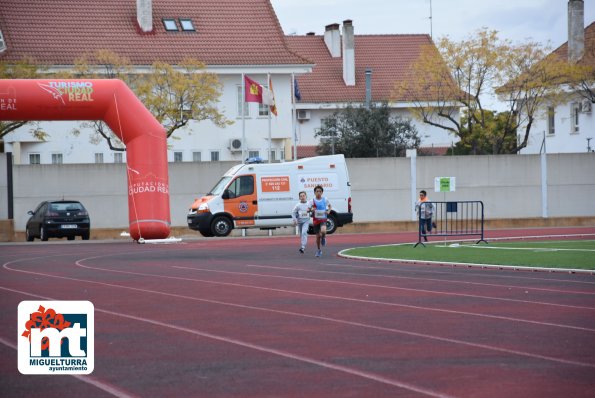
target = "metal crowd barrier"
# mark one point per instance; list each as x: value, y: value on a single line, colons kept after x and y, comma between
x: 464, y: 218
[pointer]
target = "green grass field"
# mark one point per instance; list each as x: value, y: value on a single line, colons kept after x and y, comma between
x: 575, y: 254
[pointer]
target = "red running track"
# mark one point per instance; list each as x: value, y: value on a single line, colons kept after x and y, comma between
x: 253, y: 318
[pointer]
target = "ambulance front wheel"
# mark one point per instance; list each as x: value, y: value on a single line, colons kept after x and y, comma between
x: 331, y: 224
x: 221, y: 226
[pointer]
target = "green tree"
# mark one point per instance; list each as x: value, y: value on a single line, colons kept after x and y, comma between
x: 174, y: 95
x: 26, y: 68
x: 359, y: 132
x: 475, y: 71
x: 486, y: 140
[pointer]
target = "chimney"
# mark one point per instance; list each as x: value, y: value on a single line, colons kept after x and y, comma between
x: 348, y: 53
x: 144, y: 15
x: 332, y: 39
x: 576, y: 30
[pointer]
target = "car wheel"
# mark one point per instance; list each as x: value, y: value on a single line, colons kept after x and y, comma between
x: 43, y: 234
x: 28, y: 235
x: 85, y: 236
x: 206, y: 234
x: 221, y: 226
x: 331, y: 224
x: 70, y: 237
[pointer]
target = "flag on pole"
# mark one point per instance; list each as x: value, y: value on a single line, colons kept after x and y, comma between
x: 296, y: 90
x: 253, y: 90
x: 268, y: 98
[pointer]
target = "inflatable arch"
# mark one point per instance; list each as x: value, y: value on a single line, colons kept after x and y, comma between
x: 114, y: 103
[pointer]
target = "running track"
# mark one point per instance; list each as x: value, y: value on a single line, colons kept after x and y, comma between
x: 251, y: 317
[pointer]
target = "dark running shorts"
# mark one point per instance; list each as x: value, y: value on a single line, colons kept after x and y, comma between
x: 317, y: 227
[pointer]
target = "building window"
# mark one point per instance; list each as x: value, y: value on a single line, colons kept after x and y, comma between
x: 2, y: 43
x: 57, y: 158
x: 253, y: 154
x: 240, y: 102
x: 263, y: 110
x: 551, y: 120
x: 99, y: 158
x: 178, y: 157
x: 170, y: 24
x: 118, y: 157
x: 282, y: 154
x: 187, y: 25
x: 34, y: 158
x: 196, y: 157
x: 214, y: 156
x: 273, y: 156
x: 575, y: 117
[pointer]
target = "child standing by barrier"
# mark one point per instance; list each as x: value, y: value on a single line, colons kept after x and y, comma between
x: 301, y: 218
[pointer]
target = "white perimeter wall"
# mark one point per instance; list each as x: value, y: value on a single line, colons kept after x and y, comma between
x: 509, y: 186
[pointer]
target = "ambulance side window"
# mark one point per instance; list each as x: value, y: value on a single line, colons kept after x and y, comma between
x: 243, y: 185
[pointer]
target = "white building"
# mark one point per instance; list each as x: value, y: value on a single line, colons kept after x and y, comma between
x: 343, y: 61
x: 569, y: 127
x: 231, y: 38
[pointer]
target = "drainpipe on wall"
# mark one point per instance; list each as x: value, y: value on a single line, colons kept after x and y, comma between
x: 9, y: 188
x: 368, y: 87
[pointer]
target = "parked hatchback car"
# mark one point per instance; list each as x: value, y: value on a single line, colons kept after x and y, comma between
x: 58, y: 219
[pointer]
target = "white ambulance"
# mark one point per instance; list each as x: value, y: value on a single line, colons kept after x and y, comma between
x: 263, y: 195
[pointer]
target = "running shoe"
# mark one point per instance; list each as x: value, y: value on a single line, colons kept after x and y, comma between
x: 319, y: 253
x: 302, y: 250
x: 323, y: 241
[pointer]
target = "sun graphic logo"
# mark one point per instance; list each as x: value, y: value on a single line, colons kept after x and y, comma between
x: 56, y: 337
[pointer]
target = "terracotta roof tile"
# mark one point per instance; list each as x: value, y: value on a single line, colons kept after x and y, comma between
x: 306, y: 151
x: 228, y: 32
x: 389, y: 57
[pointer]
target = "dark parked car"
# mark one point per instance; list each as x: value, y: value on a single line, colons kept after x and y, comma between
x: 58, y: 219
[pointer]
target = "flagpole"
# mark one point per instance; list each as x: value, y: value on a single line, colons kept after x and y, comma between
x: 293, y: 135
x: 269, y: 112
x: 243, y: 118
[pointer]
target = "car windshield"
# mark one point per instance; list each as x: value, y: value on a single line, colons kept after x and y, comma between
x: 220, y: 186
x: 66, y: 206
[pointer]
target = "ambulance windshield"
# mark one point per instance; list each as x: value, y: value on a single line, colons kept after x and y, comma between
x: 220, y: 186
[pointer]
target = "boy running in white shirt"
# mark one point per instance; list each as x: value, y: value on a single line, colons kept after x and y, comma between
x: 301, y: 218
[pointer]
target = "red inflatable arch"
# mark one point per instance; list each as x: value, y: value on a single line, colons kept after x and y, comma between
x: 114, y: 103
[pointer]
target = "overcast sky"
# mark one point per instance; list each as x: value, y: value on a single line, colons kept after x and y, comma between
x: 541, y: 20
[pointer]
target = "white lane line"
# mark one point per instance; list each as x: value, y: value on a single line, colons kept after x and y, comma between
x: 108, y: 388
x: 376, y: 286
x: 257, y: 347
x: 357, y: 324
x: 79, y: 263
x: 421, y: 279
x: 330, y: 297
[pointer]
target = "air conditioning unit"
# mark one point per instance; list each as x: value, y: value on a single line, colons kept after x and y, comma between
x: 586, y: 105
x: 235, y: 145
x: 303, y: 114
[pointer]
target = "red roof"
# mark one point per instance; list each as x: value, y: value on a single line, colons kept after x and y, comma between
x: 588, y: 58
x: 228, y: 32
x: 389, y: 57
